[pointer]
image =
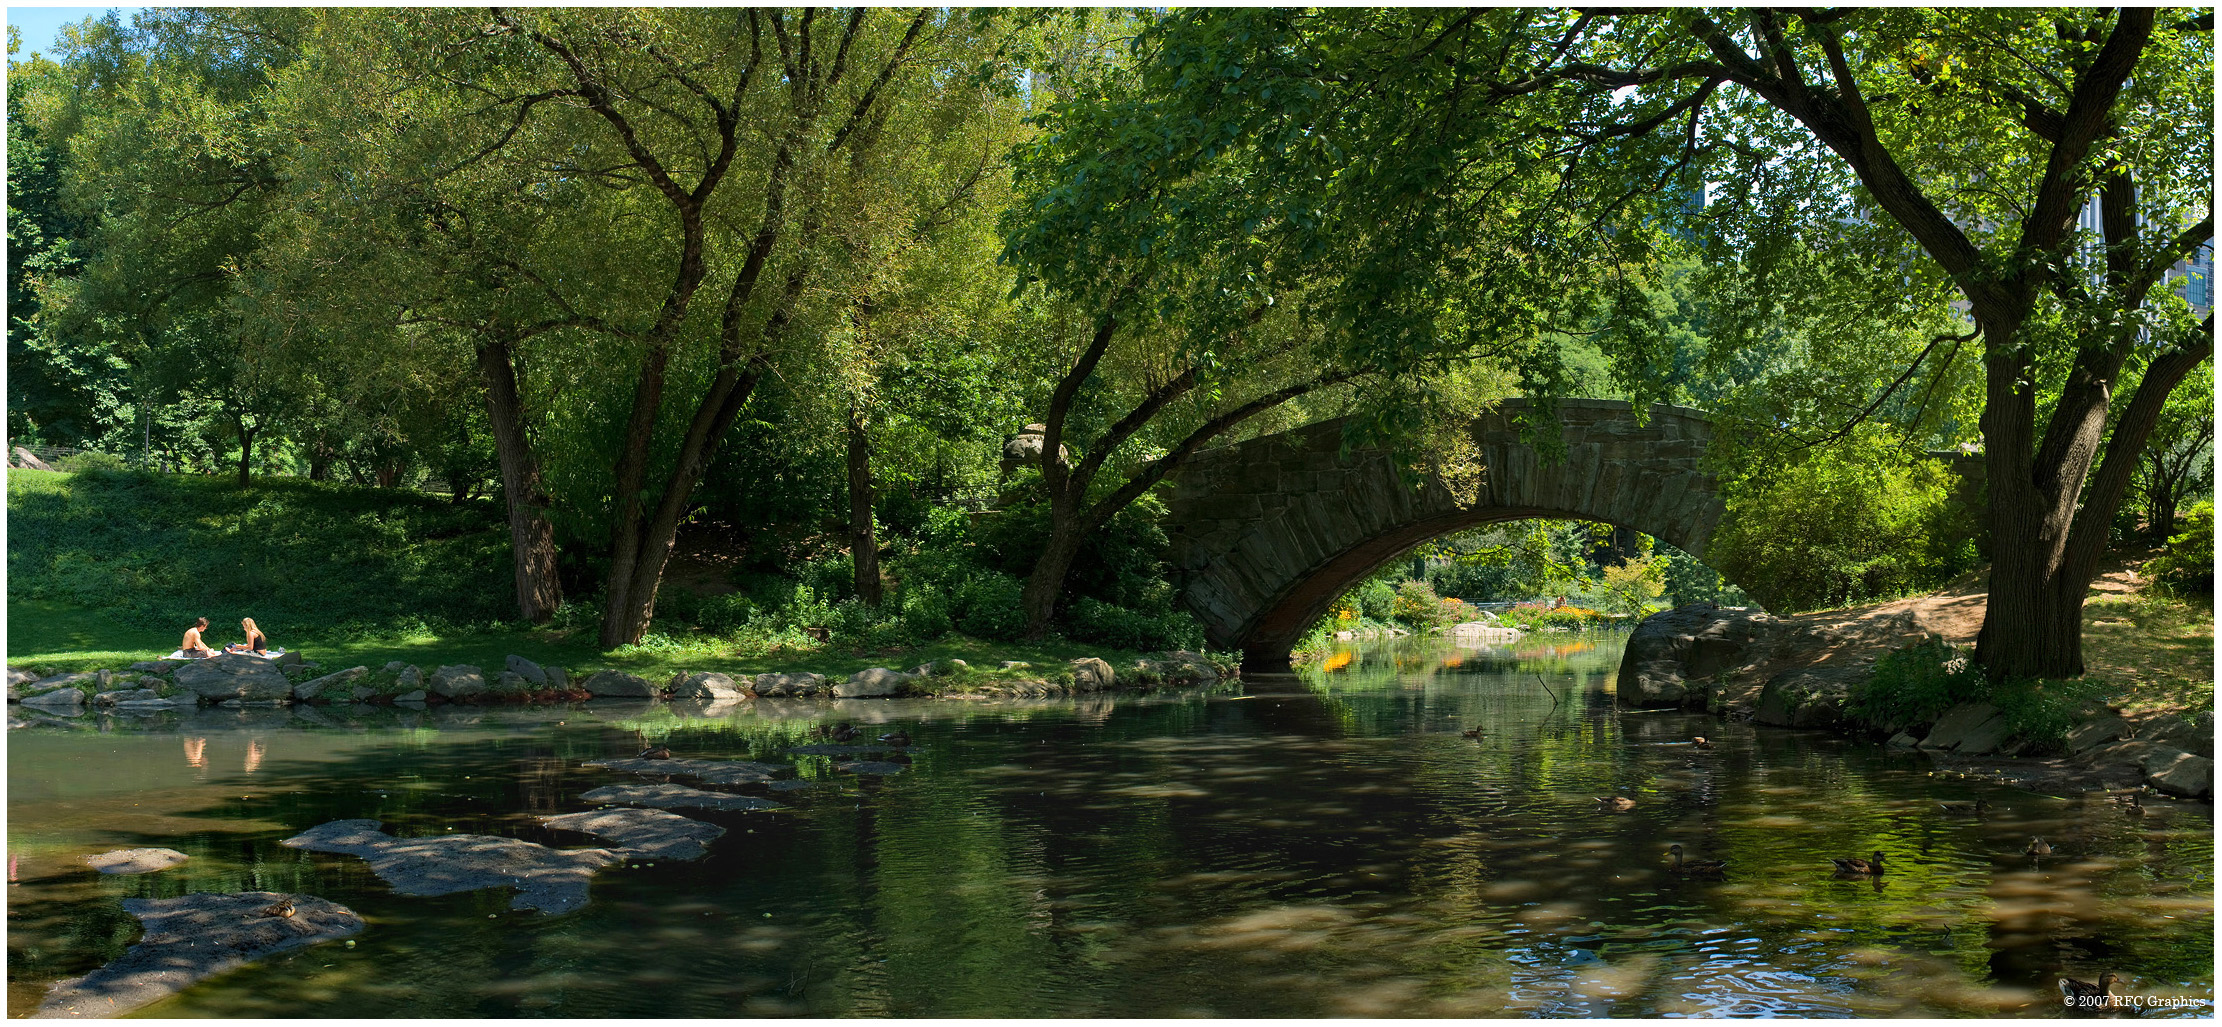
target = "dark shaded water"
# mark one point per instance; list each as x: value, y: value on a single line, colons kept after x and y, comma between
x: 1320, y: 845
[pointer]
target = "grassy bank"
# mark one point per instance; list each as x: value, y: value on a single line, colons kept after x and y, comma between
x: 107, y: 569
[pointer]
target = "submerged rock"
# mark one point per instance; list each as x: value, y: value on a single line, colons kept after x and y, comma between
x: 194, y: 937
x: 652, y: 833
x: 870, y: 767
x: 722, y: 772
x: 671, y: 796
x: 831, y: 749
x: 549, y: 880
x: 136, y: 861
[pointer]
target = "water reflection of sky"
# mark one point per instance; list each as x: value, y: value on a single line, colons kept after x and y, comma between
x: 1324, y: 845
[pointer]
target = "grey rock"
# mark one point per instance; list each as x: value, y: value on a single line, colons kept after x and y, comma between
x: 83, y: 677
x: 394, y: 666
x: 1670, y: 656
x: 309, y: 689
x: 361, y: 692
x: 291, y: 658
x: 1978, y: 723
x: 458, y: 681
x: 558, y: 678
x: 1802, y: 698
x: 643, y: 833
x: 723, y: 772
x: 2170, y: 729
x: 2180, y: 773
x: 415, y: 697
x: 513, y: 683
x: 60, y: 698
x: 777, y: 684
x: 157, y: 666
x: 1015, y: 665
x: 617, y: 683
x: 2093, y: 733
x: 873, y: 683
x: 194, y: 937
x: 527, y: 670
x: 671, y: 796
x: 125, y: 695
x: 1090, y: 674
x: 25, y: 675
x: 549, y: 880
x: 146, y: 705
x: 25, y: 458
x: 871, y: 767
x: 1902, y: 740
x: 136, y: 861
x: 411, y: 676
x: 706, y: 685
x: 1181, y: 667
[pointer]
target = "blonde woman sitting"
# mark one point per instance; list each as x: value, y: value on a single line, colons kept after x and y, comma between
x: 255, y: 642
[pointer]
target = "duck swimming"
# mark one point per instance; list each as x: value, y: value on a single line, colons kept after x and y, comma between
x: 2038, y: 847
x: 1615, y: 802
x: 1963, y: 808
x: 895, y: 738
x: 1696, y: 866
x: 2084, y: 994
x: 1857, y: 867
x: 845, y: 733
x: 1475, y: 733
x: 1700, y: 742
x: 658, y: 752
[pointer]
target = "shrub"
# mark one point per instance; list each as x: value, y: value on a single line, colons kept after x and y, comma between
x: 833, y: 576
x: 1091, y: 620
x: 925, y: 613
x: 989, y: 606
x: 1416, y: 604
x: 2188, y: 565
x: 80, y: 463
x: 1375, y: 599
x: 725, y: 613
x: 1915, y: 684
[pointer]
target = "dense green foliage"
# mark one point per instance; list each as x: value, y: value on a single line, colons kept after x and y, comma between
x: 2188, y: 565
x: 159, y: 550
x: 1913, y: 686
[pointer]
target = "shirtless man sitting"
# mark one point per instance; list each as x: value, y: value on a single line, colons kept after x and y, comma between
x: 192, y: 646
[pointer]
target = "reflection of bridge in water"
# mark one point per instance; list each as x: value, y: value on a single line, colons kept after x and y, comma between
x: 1269, y: 532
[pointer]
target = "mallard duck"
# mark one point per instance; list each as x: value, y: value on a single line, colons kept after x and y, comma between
x: 2038, y: 847
x: 2086, y: 994
x: 1700, y: 742
x: 1963, y: 808
x: 845, y: 733
x: 281, y: 909
x: 895, y: 738
x: 1861, y: 867
x: 1615, y: 802
x: 1696, y: 866
x: 658, y: 752
x: 1475, y: 733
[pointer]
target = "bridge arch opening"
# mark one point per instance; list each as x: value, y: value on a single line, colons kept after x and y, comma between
x: 1268, y: 532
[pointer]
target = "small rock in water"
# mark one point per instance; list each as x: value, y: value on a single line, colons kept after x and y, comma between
x: 136, y: 861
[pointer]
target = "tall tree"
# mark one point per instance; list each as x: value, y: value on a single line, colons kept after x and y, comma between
x: 1985, y: 136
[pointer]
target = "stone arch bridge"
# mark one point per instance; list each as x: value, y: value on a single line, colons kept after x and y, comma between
x: 1268, y: 533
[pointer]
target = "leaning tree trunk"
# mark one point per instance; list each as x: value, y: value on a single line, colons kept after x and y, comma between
x: 863, y: 541
x: 246, y: 450
x: 531, y: 536
x: 1046, y: 584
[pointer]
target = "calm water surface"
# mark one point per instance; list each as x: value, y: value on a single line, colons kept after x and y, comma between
x: 1316, y: 845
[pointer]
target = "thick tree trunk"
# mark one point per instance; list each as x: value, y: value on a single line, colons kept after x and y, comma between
x: 1046, y: 584
x: 246, y: 451
x: 531, y: 536
x: 863, y: 541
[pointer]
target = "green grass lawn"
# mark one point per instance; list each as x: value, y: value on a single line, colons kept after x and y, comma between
x: 2156, y: 651
x: 55, y: 635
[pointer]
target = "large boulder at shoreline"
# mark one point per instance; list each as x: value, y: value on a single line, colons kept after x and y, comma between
x: 124, y: 695
x: 194, y: 937
x: 1181, y: 667
x: 873, y: 683
x: 1812, y: 697
x: 58, y: 699
x: 643, y: 833
x: 1090, y: 674
x: 1970, y: 730
x: 617, y: 683
x: 458, y: 681
x: 2091, y: 734
x: 706, y: 685
x: 549, y: 880
x: 337, y: 682
x: 781, y: 685
x: 527, y: 670
x: 1672, y: 654
x: 2180, y: 773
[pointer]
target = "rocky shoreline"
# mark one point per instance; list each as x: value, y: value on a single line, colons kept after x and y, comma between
x: 238, y: 680
x: 1747, y: 665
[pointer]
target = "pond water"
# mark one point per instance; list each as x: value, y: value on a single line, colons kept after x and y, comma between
x: 1323, y: 844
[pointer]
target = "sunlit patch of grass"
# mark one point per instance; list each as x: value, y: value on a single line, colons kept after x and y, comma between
x: 2153, y: 648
